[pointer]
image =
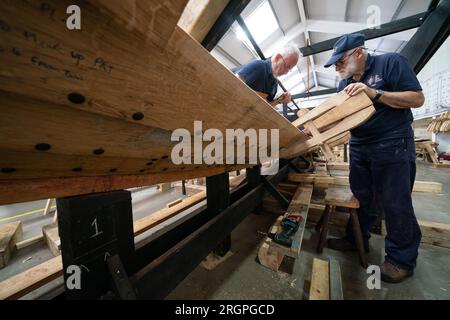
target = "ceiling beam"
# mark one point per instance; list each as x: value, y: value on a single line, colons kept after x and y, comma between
x: 347, y: 2
x: 430, y: 36
x: 291, y: 34
x: 227, y: 56
x: 223, y: 23
x: 382, y: 31
x: 331, y: 27
x: 301, y: 9
x: 394, y: 17
x: 314, y: 93
x: 277, y: 18
x: 327, y: 71
x: 340, y: 27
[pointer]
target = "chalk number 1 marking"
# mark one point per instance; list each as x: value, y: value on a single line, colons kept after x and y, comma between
x: 94, y: 224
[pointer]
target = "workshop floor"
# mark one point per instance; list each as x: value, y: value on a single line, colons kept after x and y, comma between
x: 241, y: 277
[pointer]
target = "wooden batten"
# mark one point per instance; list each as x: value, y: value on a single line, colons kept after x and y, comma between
x: 320, y: 280
x: 200, y: 15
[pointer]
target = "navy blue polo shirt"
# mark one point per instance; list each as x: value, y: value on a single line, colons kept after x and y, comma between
x: 388, y: 72
x: 258, y: 75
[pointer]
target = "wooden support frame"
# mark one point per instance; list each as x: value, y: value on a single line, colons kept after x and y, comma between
x: 173, y: 265
x: 93, y: 228
x: 25, y: 282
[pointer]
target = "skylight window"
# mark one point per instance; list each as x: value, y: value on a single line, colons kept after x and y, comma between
x: 261, y: 23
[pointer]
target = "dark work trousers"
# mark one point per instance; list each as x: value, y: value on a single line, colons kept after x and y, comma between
x: 385, y: 171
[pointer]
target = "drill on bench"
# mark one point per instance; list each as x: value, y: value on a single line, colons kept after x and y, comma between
x: 289, y: 226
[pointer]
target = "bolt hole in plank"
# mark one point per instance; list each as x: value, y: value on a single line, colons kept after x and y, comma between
x: 138, y: 116
x: 42, y: 147
x: 77, y: 169
x: 76, y: 98
x: 99, y: 151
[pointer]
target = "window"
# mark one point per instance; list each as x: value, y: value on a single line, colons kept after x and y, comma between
x: 261, y: 23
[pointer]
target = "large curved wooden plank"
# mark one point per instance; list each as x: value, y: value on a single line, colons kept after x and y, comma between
x: 105, y: 99
x: 21, y: 190
x: 120, y: 75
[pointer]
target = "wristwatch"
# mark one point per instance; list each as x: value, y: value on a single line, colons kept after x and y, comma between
x: 379, y: 93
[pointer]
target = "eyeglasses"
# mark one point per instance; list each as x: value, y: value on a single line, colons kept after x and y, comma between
x: 341, y: 61
x: 287, y: 68
x: 285, y: 64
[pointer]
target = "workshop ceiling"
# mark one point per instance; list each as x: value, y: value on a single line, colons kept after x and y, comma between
x: 274, y: 23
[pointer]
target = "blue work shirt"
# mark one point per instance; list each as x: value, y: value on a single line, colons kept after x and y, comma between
x: 388, y: 72
x: 258, y: 75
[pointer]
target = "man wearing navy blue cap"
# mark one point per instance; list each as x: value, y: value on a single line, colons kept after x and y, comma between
x: 382, y: 150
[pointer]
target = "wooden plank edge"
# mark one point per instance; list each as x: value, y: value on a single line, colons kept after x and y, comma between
x: 320, y: 280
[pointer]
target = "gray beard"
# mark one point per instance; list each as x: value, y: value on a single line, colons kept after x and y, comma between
x: 349, y: 71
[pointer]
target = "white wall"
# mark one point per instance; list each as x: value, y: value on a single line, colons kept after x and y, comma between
x: 435, y: 81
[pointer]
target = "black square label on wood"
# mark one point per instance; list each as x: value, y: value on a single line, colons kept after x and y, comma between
x: 92, y: 230
x: 93, y: 227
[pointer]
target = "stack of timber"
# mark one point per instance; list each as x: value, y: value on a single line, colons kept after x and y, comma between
x: 440, y: 123
x: 271, y: 254
x: 330, y: 122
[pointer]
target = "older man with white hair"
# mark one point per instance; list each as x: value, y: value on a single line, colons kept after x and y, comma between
x: 261, y: 75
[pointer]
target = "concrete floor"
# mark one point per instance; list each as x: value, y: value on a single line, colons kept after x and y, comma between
x: 241, y: 277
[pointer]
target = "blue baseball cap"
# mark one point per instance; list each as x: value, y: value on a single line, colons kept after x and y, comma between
x: 345, y: 43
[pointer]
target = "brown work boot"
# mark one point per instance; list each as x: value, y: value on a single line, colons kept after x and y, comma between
x: 394, y: 274
x: 344, y: 244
